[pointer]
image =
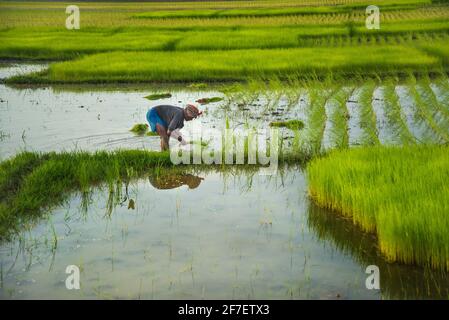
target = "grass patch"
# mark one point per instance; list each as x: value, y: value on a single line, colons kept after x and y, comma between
x: 236, y: 65
x: 387, y: 190
x: 158, y: 96
x: 209, y: 100
x: 23, y: 199
x: 139, y: 129
x: 22, y: 178
x: 263, y: 12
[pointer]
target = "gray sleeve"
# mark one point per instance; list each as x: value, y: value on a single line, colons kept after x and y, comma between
x: 177, y: 122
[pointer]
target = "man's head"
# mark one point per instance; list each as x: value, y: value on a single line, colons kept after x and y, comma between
x: 191, y: 112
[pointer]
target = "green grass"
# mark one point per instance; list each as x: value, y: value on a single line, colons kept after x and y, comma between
x: 158, y: 96
x: 316, y: 118
x: 395, y: 117
x: 367, y: 117
x: 22, y: 177
x: 23, y: 199
x: 438, y: 49
x: 234, y: 64
x: 339, y: 132
x: 139, y: 129
x: 216, y: 41
x: 263, y: 12
x: 209, y: 100
x: 426, y: 112
x: 388, y: 190
x: 60, y: 44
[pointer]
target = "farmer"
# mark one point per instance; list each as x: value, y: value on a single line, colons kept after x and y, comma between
x: 166, y: 120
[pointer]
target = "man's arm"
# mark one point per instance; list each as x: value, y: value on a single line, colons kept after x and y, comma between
x: 175, y: 123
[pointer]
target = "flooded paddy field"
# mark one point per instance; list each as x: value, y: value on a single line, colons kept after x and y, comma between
x: 69, y: 118
x: 193, y: 237
x: 231, y: 234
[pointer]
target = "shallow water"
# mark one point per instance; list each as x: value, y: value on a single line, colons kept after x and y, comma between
x: 99, y: 118
x: 199, y: 234
x: 204, y: 234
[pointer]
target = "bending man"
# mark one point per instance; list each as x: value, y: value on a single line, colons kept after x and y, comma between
x: 166, y: 120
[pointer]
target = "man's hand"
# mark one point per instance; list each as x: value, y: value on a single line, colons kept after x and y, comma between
x: 177, y: 135
x: 183, y: 141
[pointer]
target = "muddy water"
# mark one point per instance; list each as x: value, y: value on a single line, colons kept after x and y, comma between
x: 199, y: 234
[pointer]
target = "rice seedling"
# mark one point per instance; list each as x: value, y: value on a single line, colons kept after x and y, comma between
x: 442, y: 87
x: 24, y: 175
x: 113, y: 46
x: 204, y: 101
x: 395, y: 116
x: 367, y: 116
x: 158, y: 96
x: 293, y: 91
x: 139, y: 129
x: 350, y: 239
x: 440, y: 110
x: 316, y: 119
x: 231, y: 65
x: 386, y: 190
x: 23, y: 200
x: 426, y: 113
x: 339, y: 131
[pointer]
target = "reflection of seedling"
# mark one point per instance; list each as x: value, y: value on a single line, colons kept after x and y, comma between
x: 140, y: 128
x: 152, y: 134
x: 289, y: 124
x: 157, y: 96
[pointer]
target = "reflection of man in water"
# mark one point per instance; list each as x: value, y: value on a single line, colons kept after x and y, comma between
x: 171, y: 181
